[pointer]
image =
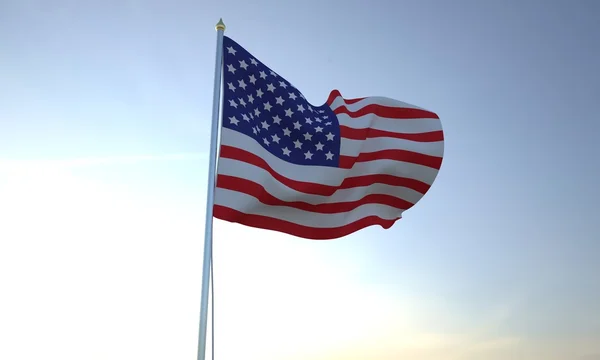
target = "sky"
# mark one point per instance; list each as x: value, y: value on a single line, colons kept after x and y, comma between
x: 105, y: 110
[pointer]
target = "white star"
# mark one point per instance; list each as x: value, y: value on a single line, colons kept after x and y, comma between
x: 271, y: 88
x: 297, y: 144
x: 289, y: 112
x: 268, y: 106
x: 245, y: 117
x: 242, y: 102
x: 231, y: 50
x: 251, y: 99
x: 286, y: 151
x: 317, y: 119
x: 273, y: 73
x: 231, y: 69
x: 256, y: 112
x: 310, y: 108
x: 253, y: 61
x: 275, y: 138
x: 230, y: 86
x: 329, y: 155
x: 259, y: 93
x: 243, y: 65
x: 319, y: 146
x: 282, y: 84
x: 321, y: 111
x: 319, y: 129
x: 309, y: 121
x: 233, y: 120
x: 308, y: 155
x: 251, y: 116
x: 292, y: 96
x: 276, y: 119
x: 252, y: 79
x: 266, y: 141
x: 242, y: 84
x: 254, y: 131
x: 301, y: 108
x: 279, y: 100
x: 329, y: 136
x: 286, y: 132
x: 232, y: 103
x: 262, y: 75
x: 265, y: 125
x: 328, y: 123
x: 297, y: 125
x: 307, y: 136
x: 325, y: 117
x: 257, y: 128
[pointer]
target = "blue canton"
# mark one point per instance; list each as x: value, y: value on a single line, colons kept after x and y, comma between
x: 264, y: 106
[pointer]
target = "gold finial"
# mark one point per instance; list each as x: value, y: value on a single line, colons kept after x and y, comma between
x: 220, y: 25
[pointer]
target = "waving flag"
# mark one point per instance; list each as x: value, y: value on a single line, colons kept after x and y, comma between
x: 317, y: 172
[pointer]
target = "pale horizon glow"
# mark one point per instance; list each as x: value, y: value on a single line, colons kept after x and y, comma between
x: 104, y: 139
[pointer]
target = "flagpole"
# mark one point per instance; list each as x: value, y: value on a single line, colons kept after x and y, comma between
x: 210, y: 196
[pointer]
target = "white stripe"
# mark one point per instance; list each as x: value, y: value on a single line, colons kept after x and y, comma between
x: 327, y: 175
x: 402, y: 126
x: 351, y: 147
x: 250, y: 205
x: 255, y: 174
x: 372, y: 100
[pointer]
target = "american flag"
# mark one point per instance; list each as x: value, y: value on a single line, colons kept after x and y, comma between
x: 317, y: 172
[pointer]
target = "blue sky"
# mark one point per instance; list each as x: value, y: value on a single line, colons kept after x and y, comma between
x: 104, y: 128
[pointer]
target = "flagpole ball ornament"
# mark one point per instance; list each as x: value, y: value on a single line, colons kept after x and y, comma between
x: 220, y: 25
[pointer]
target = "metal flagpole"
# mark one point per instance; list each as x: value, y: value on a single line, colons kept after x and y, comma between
x: 210, y: 197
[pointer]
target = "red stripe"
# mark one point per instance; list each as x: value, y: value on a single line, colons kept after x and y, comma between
x: 387, y: 112
x: 368, y: 133
x: 347, y: 162
x: 233, y: 153
x: 269, y: 223
x: 385, y: 179
x: 336, y: 93
x: 390, y: 112
x: 259, y: 192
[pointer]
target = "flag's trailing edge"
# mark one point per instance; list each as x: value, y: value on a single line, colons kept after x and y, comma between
x: 317, y: 172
